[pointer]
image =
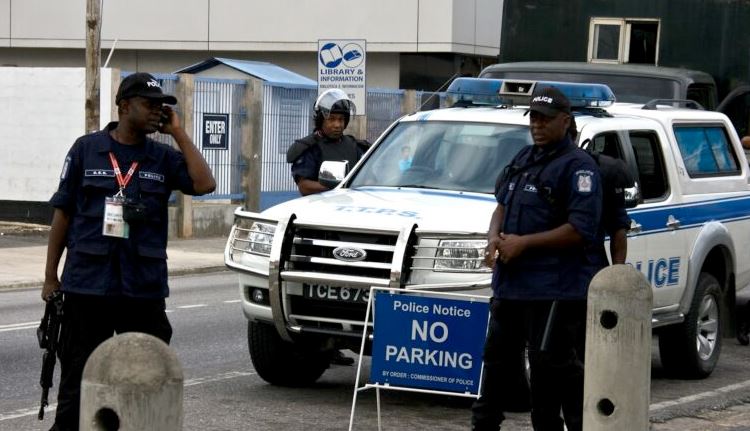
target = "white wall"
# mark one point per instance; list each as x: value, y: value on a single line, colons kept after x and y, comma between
x: 41, y: 115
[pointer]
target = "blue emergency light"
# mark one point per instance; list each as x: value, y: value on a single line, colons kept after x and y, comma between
x: 494, y: 92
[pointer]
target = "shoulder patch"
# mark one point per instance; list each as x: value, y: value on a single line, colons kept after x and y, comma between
x: 66, y: 166
x: 584, y: 181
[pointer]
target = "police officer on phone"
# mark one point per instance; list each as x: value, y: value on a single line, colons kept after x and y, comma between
x: 110, y: 213
x: 542, y: 244
x: 333, y: 109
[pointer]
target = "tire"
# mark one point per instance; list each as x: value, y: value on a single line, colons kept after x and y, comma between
x: 280, y: 362
x: 691, y: 349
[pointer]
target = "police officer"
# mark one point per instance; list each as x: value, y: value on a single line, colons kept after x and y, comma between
x: 615, y: 179
x: 332, y: 111
x: 541, y: 243
x: 111, y: 215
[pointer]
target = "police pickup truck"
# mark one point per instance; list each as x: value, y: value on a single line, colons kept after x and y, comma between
x: 414, y: 213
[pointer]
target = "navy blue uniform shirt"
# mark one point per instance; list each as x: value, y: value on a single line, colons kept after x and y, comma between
x: 101, y: 265
x: 542, y: 190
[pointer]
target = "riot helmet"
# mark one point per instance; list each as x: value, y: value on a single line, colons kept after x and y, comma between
x: 333, y: 101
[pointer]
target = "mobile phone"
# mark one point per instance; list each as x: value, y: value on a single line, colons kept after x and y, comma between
x: 164, y: 120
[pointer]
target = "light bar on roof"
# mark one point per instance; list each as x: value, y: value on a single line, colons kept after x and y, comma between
x: 485, y: 91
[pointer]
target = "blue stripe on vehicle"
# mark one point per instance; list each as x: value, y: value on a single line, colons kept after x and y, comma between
x: 652, y: 220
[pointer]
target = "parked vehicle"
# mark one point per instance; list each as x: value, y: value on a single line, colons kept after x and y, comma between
x: 636, y: 83
x: 306, y: 265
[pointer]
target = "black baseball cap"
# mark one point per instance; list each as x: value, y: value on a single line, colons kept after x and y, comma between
x: 549, y: 101
x: 144, y: 85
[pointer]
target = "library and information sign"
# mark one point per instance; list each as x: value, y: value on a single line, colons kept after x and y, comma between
x: 342, y: 64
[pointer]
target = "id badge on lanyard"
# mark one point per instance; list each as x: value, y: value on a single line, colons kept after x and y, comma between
x: 114, y: 224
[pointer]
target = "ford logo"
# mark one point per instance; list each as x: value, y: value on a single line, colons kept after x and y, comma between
x: 349, y: 254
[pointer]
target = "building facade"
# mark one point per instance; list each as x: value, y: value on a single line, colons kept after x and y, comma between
x: 417, y: 44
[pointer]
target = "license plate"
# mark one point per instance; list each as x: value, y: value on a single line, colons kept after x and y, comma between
x: 335, y: 293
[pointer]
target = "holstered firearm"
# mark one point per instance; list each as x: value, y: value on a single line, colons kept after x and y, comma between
x: 48, y: 334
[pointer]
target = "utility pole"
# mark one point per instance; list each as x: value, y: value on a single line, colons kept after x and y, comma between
x: 93, y: 59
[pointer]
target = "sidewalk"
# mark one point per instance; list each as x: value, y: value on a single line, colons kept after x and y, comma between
x: 23, y: 252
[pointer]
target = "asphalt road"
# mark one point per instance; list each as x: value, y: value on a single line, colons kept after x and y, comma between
x: 223, y: 393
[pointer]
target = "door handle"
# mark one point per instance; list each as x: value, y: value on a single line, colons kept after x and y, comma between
x: 673, y: 223
x: 635, y: 227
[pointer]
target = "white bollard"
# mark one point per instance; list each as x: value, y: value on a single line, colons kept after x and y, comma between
x: 132, y: 382
x: 617, y: 383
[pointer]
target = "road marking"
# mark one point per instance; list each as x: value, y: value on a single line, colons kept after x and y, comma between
x: 183, y: 307
x: 15, y: 414
x: 234, y: 301
x: 700, y: 396
x: 18, y: 326
x: 218, y: 377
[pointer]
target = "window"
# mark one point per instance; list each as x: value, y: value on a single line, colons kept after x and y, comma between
x: 648, y: 157
x: 706, y: 150
x: 607, y: 144
x: 620, y: 40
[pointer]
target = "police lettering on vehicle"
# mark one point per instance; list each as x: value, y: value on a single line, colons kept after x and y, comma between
x: 660, y: 272
x: 373, y: 210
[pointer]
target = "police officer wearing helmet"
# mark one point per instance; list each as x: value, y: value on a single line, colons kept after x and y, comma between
x: 542, y: 247
x: 111, y: 214
x: 332, y: 111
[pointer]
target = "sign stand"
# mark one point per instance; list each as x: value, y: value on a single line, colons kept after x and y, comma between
x: 419, y: 306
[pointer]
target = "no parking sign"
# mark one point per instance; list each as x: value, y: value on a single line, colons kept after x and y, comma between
x: 342, y: 64
x: 428, y: 342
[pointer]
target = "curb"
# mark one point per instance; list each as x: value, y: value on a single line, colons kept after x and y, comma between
x: 171, y: 273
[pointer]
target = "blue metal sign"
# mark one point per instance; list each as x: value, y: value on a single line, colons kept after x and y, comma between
x: 428, y: 342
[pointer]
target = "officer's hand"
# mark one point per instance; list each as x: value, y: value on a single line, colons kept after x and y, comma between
x: 50, y: 286
x: 490, y: 253
x: 170, y: 121
x: 510, y: 247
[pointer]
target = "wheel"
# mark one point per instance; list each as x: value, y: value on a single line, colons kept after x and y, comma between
x: 280, y: 362
x: 691, y: 348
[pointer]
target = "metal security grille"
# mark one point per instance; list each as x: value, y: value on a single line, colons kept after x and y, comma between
x: 221, y: 96
x: 383, y: 107
x: 287, y: 115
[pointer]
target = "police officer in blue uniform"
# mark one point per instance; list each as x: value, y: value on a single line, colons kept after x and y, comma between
x: 110, y: 213
x: 333, y: 109
x: 542, y: 244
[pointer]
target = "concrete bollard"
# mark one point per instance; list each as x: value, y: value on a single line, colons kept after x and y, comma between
x: 617, y: 383
x: 132, y: 382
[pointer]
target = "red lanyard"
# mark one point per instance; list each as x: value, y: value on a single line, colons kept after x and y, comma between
x: 122, y: 182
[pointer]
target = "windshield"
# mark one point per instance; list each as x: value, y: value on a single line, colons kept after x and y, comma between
x: 629, y: 89
x: 443, y: 155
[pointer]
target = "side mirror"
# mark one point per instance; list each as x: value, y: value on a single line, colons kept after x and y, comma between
x: 332, y: 172
x: 632, y: 195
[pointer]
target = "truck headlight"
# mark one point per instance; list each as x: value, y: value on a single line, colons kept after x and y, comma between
x: 460, y: 255
x: 260, y: 237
